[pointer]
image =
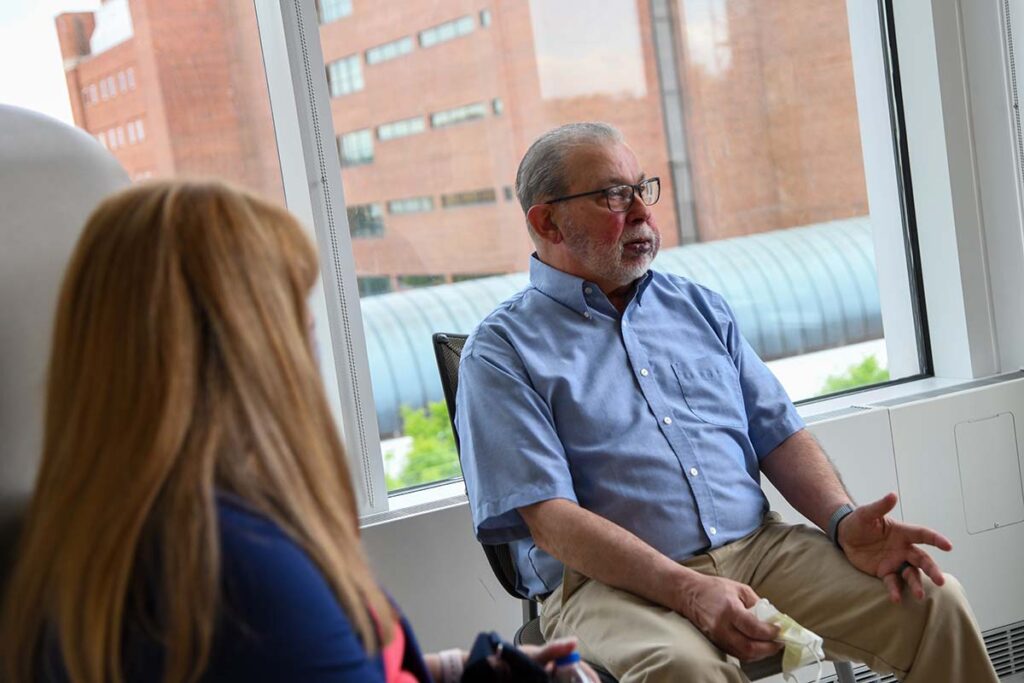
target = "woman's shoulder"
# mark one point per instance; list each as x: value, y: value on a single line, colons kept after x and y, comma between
x: 279, y: 613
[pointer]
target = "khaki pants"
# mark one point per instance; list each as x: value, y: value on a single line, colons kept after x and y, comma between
x: 805, y: 576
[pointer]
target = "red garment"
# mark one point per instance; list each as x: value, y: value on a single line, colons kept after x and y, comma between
x: 392, y: 654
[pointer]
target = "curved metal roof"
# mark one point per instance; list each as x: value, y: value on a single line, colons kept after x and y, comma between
x: 793, y: 291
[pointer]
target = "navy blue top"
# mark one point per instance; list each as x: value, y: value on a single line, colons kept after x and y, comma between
x: 280, y: 620
x: 656, y: 419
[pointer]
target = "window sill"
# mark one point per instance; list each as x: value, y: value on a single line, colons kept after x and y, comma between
x: 453, y: 494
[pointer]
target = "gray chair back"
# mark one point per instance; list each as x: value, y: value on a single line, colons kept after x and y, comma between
x: 51, y: 177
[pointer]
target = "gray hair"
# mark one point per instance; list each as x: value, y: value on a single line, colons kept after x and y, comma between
x: 542, y: 172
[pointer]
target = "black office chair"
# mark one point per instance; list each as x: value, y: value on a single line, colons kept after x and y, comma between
x: 448, y: 351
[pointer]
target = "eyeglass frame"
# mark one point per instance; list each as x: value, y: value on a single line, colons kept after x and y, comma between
x: 636, y: 191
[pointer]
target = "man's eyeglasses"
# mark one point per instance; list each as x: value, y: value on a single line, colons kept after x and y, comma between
x: 620, y: 197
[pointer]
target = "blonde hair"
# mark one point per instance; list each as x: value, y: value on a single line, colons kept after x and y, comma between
x: 181, y: 366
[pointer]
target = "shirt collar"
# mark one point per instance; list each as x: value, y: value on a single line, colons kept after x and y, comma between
x: 569, y: 290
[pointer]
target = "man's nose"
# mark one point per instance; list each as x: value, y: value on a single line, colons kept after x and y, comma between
x: 638, y: 212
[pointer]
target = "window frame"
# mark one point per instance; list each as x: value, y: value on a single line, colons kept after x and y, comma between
x: 933, y: 147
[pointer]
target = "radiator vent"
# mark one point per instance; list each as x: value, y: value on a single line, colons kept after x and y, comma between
x: 1005, y: 647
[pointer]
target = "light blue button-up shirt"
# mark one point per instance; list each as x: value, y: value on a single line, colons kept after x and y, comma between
x: 655, y: 419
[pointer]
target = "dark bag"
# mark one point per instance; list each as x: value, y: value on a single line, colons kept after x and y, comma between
x: 521, y: 668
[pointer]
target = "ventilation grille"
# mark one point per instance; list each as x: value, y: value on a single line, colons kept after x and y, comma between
x: 1005, y: 648
x: 862, y: 674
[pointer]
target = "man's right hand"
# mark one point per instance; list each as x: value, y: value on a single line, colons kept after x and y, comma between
x: 718, y: 607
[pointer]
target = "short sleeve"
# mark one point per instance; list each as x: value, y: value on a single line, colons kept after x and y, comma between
x: 771, y: 415
x: 511, y: 454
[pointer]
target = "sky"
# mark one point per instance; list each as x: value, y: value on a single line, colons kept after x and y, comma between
x: 31, y: 73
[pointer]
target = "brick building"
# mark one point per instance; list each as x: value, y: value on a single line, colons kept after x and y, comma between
x: 434, y: 103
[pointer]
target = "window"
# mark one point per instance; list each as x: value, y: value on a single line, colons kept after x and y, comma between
x: 130, y: 77
x: 446, y: 31
x: 411, y: 205
x: 373, y: 285
x: 331, y: 10
x: 140, y: 132
x: 102, y: 137
x: 366, y: 220
x: 400, y: 129
x: 120, y: 136
x: 485, y: 196
x: 414, y: 281
x: 356, y: 148
x: 131, y: 132
x: 93, y: 97
x: 103, y: 89
x: 382, y: 53
x: 768, y: 188
x: 345, y: 76
x: 122, y: 81
x: 111, y: 86
x: 451, y: 117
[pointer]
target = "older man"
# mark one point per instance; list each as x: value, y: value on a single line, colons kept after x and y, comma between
x: 614, y: 424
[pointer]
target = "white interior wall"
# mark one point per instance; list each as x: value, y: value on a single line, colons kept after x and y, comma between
x: 438, y: 574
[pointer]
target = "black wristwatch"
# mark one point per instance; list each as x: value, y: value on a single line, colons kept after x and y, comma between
x: 833, y: 522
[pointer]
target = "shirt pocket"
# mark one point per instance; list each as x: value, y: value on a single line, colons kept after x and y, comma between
x: 711, y: 389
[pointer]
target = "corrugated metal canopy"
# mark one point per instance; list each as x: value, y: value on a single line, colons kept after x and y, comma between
x: 793, y: 291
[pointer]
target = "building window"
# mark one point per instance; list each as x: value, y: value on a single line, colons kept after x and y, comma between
x: 366, y: 220
x: 103, y: 89
x: 411, y: 205
x: 111, y: 86
x: 331, y: 10
x: 102, y: 137
x: 465, y: 277
x: 456, y: 199
x: 92, y: 94
x: 130, y: 77
x: 122, y: 81
x: 356, y: 148
x: 140, y: 132
x: 345, y: 75
x: 485, y: 18
x: 112, y: 139
x: 120, y: 136
x: 382, y: 53
x: 450, y: 117
x: 131, y: 132
x: 498, y: 106
x: 509, y: 193
x: 414, y: 281
x: 446, y: 31
x: 372, y: 285
x: 400, y: 129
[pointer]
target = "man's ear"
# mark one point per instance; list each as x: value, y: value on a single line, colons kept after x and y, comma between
x: 541, y: 219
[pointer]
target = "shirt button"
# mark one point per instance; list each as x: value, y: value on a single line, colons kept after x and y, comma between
x: 693, y: 471
x: 586, y: 314
x: 667, y: 420
x: 713, y: 531
x: 588, y: 290
x: 644, y: 372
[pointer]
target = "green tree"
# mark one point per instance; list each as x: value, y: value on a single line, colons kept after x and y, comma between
x: 433, y: 456
x: 868, y: 371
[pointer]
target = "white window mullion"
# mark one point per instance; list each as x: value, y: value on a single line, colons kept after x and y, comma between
x: 312, y: 182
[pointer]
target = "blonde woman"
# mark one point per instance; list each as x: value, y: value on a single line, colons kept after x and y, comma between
x: 193, y: 517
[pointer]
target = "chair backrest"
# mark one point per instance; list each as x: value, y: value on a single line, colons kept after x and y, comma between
x: 448, y: 351
x: 51, y: 177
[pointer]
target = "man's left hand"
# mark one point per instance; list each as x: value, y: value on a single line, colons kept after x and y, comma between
x: 886, y: 548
